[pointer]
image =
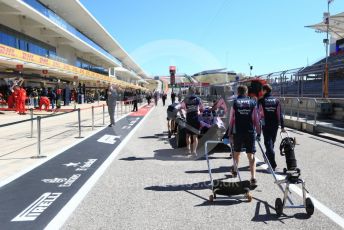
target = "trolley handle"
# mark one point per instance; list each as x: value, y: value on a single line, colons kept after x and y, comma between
x: 285, y: 133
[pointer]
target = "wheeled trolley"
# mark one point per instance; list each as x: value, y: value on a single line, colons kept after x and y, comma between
x: 292, y: 177
x: 220, y: 187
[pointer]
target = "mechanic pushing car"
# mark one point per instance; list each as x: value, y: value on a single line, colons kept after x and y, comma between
x: 193, y: 106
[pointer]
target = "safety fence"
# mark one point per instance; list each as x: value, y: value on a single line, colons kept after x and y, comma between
x: 94, y: 118
x: 314, y: 111
x: 309, y: 114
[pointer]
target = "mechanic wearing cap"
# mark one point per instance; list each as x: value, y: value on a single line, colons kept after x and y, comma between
x: 243, y: 126
x: 271, y: 118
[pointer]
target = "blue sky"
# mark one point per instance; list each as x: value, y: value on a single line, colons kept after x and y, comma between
x: 197, y: 35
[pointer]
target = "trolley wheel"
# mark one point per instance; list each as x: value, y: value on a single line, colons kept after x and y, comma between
x: 309, y: 206
x: 211, y: 198
x: 248, y: 196
x: 279, y: 206
x: 234, y: 173
x: 181, y: 137
x: 284, y: 171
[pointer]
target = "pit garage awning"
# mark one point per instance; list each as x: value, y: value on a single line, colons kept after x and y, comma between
x: 126, y: 74
x: 143, y: 81
x: 12, y: 57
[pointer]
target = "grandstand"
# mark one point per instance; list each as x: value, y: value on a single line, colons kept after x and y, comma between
x: 308, y: 81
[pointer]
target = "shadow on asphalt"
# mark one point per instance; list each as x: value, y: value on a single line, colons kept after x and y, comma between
x: 247, y: 169
x: 227, y: 169
x: 270, y: 213
x: 172, y: 141
x: 136, y: 158
x: 163, y: 135
x: 221, y: 201
x: 222, y: 169
x: 173, y: 155
x: 202, y: 158
x: 164, y: 155
x: 179, y: 187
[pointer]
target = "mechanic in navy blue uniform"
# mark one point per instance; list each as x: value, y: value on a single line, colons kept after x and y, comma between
x: 243, y: 128
x: 193, y: 106
x: 271, y: 118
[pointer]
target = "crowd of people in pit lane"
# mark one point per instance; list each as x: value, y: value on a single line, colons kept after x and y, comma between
x: 156, y: 95
x: 20, y: 98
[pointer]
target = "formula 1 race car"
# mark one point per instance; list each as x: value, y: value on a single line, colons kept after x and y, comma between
x: 211, y: 126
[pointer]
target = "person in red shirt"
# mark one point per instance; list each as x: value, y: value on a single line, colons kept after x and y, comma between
x: 44, y: 101
x: 21, y: 100
x: 16, y: 98
x: 10, y: 101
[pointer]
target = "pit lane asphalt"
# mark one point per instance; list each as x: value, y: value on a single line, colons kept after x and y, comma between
x: 151, y: 185
x: 32, y: 200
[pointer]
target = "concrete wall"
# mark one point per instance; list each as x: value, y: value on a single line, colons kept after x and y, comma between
x: 338, y: 109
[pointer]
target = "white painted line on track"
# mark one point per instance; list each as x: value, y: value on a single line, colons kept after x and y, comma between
x: 321, y: 207
x: 72, y: 204
x: 43, y: 160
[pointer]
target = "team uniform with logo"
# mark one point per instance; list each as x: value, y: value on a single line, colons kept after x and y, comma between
x: 244, y: 124
x: 271, y: 117
x: 192, y: 105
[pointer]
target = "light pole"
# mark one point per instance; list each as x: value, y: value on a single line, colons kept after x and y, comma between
x: 326, y: 41
x: 251, y: 68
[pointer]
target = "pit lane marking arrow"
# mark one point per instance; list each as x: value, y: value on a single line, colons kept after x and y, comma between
x: 108, y: 139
